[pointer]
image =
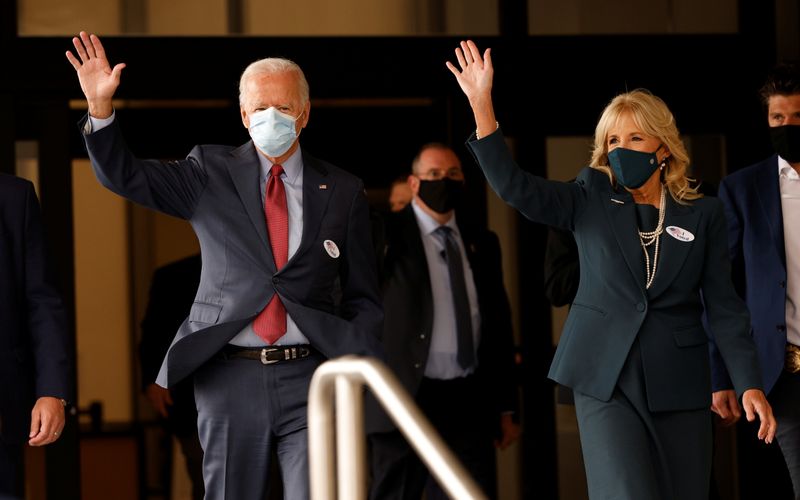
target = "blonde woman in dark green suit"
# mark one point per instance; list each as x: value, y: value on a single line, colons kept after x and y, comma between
x: 633, y: 348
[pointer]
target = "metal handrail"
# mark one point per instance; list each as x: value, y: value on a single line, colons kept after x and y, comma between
x: 347, y: 375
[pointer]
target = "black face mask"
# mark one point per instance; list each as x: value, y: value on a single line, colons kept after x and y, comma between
x: 786, y: 141
x: 442, y: 195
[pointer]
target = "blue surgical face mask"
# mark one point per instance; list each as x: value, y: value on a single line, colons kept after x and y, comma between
x: 272, y: 131
x: 632, y: 168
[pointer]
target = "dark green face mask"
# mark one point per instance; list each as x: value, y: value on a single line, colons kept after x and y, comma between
x: 786, y: 141
x: 632, y: 168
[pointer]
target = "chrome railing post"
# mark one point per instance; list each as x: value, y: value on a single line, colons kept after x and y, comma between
x: 321, y: 441
x: 350, y: 440
x: 349, y: 373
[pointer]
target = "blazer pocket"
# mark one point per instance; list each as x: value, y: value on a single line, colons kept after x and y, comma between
x: 589, y: 308
x: 692, y: 336
x: 204, y: 313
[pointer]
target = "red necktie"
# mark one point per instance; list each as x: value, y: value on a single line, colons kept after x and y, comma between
x: 270, y: 324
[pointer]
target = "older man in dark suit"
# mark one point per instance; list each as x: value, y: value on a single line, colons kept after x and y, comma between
x: 35, y: 354
x: 447, y: 334
x: 288, y: 276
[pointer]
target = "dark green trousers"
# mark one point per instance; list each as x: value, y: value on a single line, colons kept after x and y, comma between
x: 633, y: 453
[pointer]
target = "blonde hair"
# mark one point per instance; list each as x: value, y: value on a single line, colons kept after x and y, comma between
x: 274, y: 65
x: 653, y: 118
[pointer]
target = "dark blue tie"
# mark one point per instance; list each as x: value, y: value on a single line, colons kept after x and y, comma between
x: 455, y: 267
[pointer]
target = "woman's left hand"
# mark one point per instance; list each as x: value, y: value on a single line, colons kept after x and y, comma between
x: 755, y: 402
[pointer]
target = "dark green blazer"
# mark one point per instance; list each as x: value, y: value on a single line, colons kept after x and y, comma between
x: 612, y: 308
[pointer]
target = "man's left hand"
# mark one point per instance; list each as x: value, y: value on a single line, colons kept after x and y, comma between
x: 47, y: 421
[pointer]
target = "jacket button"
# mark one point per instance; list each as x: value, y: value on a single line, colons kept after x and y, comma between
x: 416, y: 365
x: 422, y: 336
x: 276, y: 280
x: 640, y: 307
x: 783, y: 284
x: 781, y: 328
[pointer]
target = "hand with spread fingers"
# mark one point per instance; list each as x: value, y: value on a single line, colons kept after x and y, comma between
x: 47, y: 421
x: 98, y: 79
x: 475, y: 79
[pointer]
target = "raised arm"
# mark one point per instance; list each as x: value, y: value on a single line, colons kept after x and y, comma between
x: 98, y: 79
x: 547, y: 202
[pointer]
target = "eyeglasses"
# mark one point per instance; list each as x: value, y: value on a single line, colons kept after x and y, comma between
x: 438, y: 174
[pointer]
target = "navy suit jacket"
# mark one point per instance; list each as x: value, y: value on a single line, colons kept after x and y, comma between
x: 408, y: 303
x: 752, y: 202
x: 35, y: 350
x: 334, y: 301
x: 612, y: 308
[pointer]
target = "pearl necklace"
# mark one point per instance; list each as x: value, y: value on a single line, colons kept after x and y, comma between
x: 647, y: 238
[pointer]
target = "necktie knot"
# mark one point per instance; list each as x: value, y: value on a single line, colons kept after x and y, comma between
x: 444, y: 232
x: 276, y: 170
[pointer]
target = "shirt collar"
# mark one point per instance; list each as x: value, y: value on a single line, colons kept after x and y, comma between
x: 292, y: 166
x: 428, y: 224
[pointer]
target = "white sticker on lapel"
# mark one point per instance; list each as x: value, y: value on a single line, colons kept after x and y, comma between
x: 331, y: 248
x: 679, y: 233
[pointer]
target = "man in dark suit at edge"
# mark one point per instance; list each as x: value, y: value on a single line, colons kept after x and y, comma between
x: 288, y: 277
x: 762, y: 205
x: 35, y: 350
x: 447, y: 335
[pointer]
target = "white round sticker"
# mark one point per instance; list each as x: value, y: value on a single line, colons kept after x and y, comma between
x: 331, y: 248
x: 679, y: 233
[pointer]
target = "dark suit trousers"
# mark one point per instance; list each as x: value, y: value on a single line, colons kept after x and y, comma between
x: 245, y: 409
x: 453, y: 410
x: 784, y: 398
x: 632, y: 453
x: 12, y: 471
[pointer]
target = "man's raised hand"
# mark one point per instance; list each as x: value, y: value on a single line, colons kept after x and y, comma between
x: 98, y: 79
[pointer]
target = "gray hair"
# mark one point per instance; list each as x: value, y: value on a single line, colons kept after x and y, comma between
x: 274, y: 65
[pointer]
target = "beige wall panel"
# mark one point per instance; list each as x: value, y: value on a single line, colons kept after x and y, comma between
x: 708, y: 16
x: 554, y: 17
x: 624, y: 16
x: 472, y: 17
x: 102, y: 296
x: 342, y: 17
x: 68, y: 17
x: 588, y: 17
x: 187, y: 17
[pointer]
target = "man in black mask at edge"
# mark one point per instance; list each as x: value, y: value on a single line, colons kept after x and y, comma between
x: 762, y: 205
x: 447, y: 334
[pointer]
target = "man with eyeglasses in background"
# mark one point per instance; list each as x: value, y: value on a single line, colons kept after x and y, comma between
x: 447, y: 333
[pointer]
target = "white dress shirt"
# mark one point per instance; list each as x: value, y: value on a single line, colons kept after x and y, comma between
x: 442, y: 356
x: 790, y: 207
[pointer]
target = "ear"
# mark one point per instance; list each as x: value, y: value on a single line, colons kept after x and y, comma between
x: 413, y: 183
x: 306, y: 114
x: 245, y: 117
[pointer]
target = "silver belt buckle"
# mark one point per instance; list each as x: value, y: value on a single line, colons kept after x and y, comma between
x: 264, y: 353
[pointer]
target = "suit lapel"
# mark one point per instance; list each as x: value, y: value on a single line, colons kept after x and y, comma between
x: 673, y: 252
x: 317, y: 189
x: 769, y: 195
x: 243, y: 167
x: 621, y: 211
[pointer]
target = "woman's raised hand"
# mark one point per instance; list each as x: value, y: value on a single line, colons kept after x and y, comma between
x: 475, y: 76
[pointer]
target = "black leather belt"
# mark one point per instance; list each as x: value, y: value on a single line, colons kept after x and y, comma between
x: 269, y: 355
